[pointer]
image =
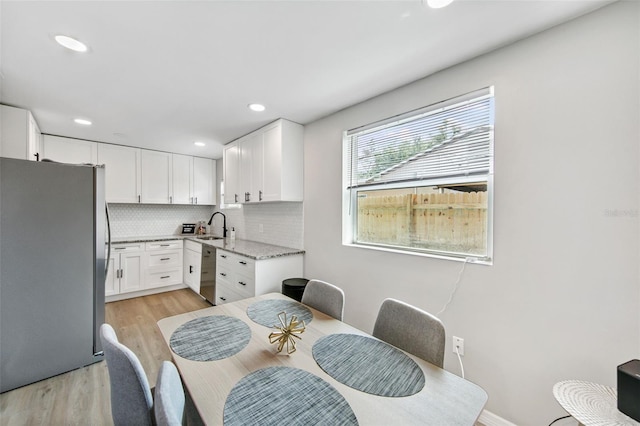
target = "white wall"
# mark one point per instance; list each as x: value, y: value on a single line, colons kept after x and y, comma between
x: 562, y: 299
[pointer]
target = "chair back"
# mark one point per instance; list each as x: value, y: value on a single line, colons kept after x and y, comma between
x: 324, y: 297
x: 131, y: 400
x: 169, y: 396
x: 412, y: 330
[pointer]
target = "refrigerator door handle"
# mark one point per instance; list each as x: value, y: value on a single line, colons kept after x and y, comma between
x: 106, y: 268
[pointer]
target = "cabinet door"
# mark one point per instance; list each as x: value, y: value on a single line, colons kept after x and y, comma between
x: 231, y: 174
x: 34, y: 139
x: 156, y: 177
x: 122, y: 172
x: 131, y: 265
x: 66, y: 150
x: 112, y: 284
x: 182, y: 177
x: 192, y: 269
x: 251, y: 166
x: 272, y: 154
x: 204, y: 181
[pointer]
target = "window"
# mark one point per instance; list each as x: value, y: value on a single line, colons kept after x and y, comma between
x: 423, y: 181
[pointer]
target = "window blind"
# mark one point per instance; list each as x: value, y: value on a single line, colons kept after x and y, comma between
x: 452, y: 138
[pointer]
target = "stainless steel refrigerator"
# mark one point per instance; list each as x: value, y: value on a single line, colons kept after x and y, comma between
x: 52, y: 269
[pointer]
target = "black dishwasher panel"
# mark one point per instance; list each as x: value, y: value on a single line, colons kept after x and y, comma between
x: 208, y: 274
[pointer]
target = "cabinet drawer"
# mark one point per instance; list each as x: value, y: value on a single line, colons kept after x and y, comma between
x: 239, y: 283
x: 192, y: 245
x: 226, y: 295
x: 236, y: 263
x: 163, y: 278
x: 165, y: 258
x: 164, y: 245
x: 126, y: 248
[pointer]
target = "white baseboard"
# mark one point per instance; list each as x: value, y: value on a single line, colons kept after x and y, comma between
x: 487, y: 418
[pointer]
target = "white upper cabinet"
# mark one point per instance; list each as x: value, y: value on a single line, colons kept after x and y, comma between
x: 266, y: 165
x: 182, y: 177
x: 283, y: 162
x: 67, y: 150
x: 194, y: 180
x: 20, y: 136
x: 204, y: 181
x: 231, y: 173
x: 156, y: 177
x: 122, y: 171
x: 251, y: 167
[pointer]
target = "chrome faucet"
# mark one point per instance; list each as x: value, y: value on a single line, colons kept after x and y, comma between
x: 224, y: 223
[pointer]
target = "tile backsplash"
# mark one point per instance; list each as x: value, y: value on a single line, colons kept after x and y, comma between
x: 271, y: 223
x: 141, y: 220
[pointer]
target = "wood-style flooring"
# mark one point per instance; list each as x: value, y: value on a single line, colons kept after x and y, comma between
x: 81, y: 397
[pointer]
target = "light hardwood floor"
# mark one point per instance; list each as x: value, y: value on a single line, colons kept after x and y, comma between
x: 81, y: 397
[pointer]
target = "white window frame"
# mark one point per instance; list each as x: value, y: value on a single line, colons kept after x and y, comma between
x: 349, y: 200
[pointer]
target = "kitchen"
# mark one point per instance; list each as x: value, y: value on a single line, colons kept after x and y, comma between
x: 542, y: 262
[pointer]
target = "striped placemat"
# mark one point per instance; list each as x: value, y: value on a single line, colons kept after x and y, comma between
x: 286, y: 396
x: 265, y: 312
x: 368, y: 365
x: 210, y: 338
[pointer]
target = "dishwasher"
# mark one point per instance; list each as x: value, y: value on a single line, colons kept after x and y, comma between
x: 208, y: 274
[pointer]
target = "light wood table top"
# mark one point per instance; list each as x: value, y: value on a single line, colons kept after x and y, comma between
x: 446, y: 399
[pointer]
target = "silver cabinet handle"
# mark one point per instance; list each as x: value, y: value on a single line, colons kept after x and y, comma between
x: 138, y: 198
x: 166, y: 276
x: 260, y: 195
x: 165, y: 258
x: 235, y: 197
x: 196, y: 200
x: 170, y: 199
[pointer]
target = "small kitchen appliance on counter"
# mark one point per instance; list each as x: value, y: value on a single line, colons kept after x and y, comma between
x: 188, y: 228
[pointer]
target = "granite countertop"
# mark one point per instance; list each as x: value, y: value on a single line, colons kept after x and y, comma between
x: 250, y: 249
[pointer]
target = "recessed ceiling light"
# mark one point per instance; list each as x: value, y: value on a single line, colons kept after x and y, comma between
x: 199, y: 143
x: 71, y: 43
x: 437, y: 4
x: 82, y: 121
x: 256, y: 107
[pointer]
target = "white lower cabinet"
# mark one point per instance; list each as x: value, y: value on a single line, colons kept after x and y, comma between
x: 192, y: 261
x: 143, y: 268
x: 239, y: 277
x: 163, y: 263
x: 125, y: 269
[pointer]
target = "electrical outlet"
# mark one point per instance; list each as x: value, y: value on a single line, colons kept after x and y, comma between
x: 458, y: 342
x: 260, y: 228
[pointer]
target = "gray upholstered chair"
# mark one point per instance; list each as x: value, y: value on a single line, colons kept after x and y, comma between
x: 131, y: 399
x: 412, y: 330
x: 169, y: 396
x: 324, y: 297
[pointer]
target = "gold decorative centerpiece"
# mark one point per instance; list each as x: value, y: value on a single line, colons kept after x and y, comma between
x: 286, y: 332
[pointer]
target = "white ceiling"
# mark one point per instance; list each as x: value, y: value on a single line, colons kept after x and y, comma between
x: 164, y: 74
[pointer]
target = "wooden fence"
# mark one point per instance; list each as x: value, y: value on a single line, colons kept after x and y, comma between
x: 455, y: 222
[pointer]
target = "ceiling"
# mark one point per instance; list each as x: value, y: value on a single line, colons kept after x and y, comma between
x: 164, y: 74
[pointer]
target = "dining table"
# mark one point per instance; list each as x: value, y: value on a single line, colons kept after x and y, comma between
x: 335, y: 374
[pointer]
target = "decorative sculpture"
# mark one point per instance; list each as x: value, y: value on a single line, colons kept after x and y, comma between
x: 286, y: 332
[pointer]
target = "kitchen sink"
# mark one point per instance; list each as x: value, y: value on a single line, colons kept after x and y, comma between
x: 208, y: 237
